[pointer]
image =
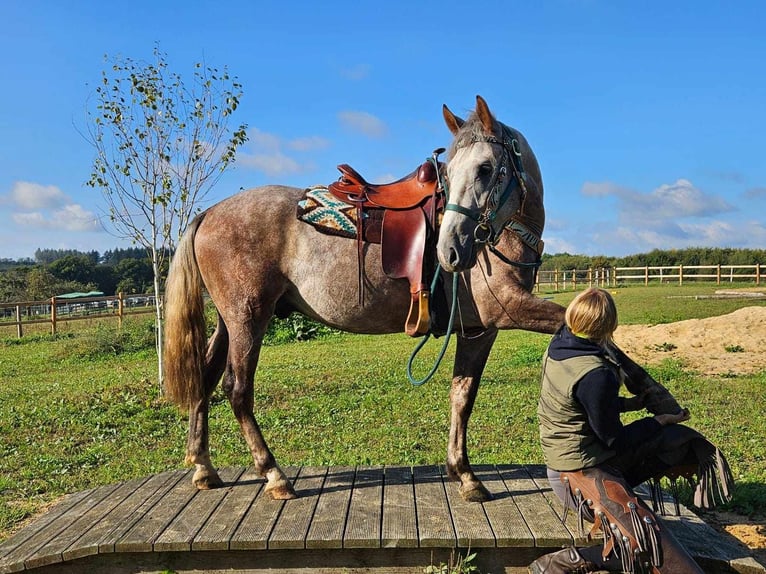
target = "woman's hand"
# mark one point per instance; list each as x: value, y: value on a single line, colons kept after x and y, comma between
x: 680, y: 416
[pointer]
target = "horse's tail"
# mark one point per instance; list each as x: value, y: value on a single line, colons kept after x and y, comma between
x: 185, y: 335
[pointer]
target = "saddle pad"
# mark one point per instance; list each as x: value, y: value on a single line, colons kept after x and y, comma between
x: 318, y: 207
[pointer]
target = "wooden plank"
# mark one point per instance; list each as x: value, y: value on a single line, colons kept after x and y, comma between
x: 471, y: 524
x: 580, y: 535
x: 294, y: 520
x: 156, y: 515
x: 220, y: 527
x: 505, y: 519
x: 181, y: 531
x: 56, y: 511
x: 545, y: 525
x: 102, y: 536
x: 329, y: 521
x: 400, y: 526
x: 54, y: 550
x: 365, y: 509
x: 253, y: 532
x: 435, y: 527
x: 33, y: 549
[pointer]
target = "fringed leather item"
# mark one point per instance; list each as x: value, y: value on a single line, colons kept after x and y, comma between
x: 694, y: 460
x: 630, y: 530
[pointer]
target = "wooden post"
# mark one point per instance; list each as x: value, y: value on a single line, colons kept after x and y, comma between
x: 19, y: 328
x: 53, y: 315
x: 574, y: 279
x: 556, y: 278
x: 119, y: 309
x: 646, y: 275
x: 680, y: 274
x: 590, y: 277
x: 757, y: 273
x: 718, y: 274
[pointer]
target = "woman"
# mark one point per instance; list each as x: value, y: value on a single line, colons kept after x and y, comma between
x: 594, y: 461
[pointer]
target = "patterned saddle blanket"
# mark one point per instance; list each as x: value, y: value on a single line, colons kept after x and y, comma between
x: 326, y: 213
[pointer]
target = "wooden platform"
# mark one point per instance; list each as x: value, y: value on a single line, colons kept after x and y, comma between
x: 365, y: 519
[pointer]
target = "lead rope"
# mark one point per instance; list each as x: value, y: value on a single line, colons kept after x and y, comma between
x: 417, y: 382
x: 434, y: 159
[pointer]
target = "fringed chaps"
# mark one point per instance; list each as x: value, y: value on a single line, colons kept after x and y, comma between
x: 630, y: 530
x: 689, y: 457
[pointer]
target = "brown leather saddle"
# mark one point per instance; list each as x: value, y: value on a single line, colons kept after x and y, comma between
x: 410, y: 207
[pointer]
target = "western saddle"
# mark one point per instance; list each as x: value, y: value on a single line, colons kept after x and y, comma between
x: 407, y: 234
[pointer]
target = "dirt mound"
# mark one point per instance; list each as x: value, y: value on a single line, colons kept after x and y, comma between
x: 728, y: 344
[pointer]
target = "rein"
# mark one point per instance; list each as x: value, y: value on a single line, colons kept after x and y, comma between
x: 484, y: 221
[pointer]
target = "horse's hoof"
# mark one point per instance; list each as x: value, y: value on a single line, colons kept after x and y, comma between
x: 282, y: 492
x: 475, y: 493
x: 207, y: 481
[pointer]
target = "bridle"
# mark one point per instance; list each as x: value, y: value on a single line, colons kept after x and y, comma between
x: 499, y: 193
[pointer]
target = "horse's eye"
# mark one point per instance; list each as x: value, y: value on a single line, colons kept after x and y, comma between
x: 485, y: 169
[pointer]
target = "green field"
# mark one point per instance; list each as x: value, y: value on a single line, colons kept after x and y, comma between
x: 83, y: 409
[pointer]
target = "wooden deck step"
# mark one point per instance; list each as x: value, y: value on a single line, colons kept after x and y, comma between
x: 364, y: 519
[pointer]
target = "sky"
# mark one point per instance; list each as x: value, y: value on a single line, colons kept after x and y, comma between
x: 648, y: 118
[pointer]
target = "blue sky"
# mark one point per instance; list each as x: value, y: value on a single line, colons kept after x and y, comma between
x: 648, y: 118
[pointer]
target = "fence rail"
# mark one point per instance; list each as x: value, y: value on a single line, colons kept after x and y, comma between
x: 614, y: 276
x: 61, y: 310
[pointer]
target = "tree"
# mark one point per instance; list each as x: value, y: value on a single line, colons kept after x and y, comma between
x: 160, y: 147
x: 79, y: 268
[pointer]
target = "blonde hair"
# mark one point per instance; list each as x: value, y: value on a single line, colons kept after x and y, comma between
x: 592, y: 315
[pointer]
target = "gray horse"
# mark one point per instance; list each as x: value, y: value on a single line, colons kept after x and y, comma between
x: 256, y: 259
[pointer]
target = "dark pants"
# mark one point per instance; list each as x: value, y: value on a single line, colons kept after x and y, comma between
x: 668, y: 448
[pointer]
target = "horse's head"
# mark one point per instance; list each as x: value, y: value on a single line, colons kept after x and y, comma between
x: 486, y: 185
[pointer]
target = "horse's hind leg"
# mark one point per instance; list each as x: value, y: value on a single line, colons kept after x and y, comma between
x: 244, y: 350
x: 197, y: 445
x: 470, y: 359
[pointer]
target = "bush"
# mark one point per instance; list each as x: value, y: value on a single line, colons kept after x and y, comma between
x: 294, y: 328
x: 109, y: 340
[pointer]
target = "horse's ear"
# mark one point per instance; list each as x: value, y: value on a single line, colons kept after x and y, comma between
x: 482, y: 110
x: 454, y: 123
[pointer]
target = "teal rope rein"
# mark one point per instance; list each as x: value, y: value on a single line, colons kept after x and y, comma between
x: 424, y: 340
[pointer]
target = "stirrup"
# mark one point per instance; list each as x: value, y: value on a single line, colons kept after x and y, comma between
x: 415, y: 326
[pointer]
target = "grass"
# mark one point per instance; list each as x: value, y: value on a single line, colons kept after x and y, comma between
x: 82, y: 408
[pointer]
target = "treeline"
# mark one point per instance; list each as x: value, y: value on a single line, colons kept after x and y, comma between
x: 658, y: 258
x: 58, y: 271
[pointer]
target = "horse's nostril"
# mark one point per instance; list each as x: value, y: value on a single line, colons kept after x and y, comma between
x: 453, y: 258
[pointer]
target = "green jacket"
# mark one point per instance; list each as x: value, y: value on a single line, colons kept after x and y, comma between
x: 567, y: 439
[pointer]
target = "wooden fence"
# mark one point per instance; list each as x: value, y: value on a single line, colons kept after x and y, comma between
x: 57, y: 310
x: 572, y: 279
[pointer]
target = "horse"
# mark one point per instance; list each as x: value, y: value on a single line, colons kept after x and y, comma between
x: 255, y: 259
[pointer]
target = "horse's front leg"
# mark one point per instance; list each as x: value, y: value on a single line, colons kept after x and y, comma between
x: 470, y: 359
x: 244, y: 350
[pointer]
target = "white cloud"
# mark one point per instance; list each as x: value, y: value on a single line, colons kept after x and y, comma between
x: 71, y: 217
x: 271, y: 164
x: 28, y: 195
x: 264, y: 152
x: 309, y: 143
x: 39, y: 207
x: 363, y: 122
x: 668, y: 201
x: 555, y: 245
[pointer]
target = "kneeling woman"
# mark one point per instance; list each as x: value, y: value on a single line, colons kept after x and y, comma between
x: 594, y: 461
